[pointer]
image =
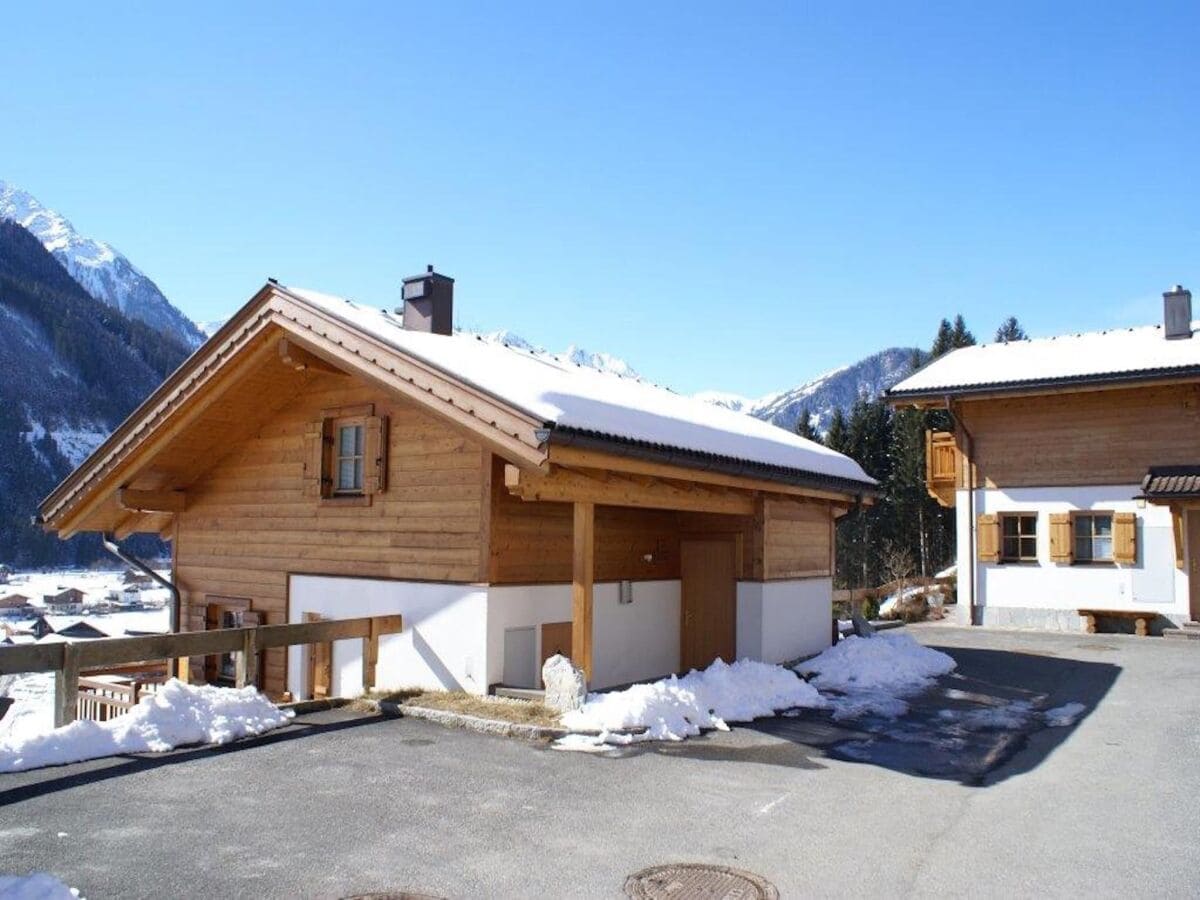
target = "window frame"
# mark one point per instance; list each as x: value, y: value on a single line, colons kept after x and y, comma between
x: 1092, y: 560
x: 336, y: 427
x: 332, y: 420
x: 1019, y: 537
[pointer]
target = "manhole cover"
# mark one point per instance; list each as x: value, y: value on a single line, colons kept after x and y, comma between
x: 689, y: 880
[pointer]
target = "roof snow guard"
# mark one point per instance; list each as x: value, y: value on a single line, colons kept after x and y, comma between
x: 1125, y: 356
x: 1171, y: 483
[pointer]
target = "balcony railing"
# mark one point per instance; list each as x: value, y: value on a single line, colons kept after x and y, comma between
x: 942, y: 466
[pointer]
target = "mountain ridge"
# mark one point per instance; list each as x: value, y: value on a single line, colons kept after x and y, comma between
x: 102, y: 270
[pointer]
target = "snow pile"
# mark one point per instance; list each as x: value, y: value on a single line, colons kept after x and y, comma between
x: 35, y: 886
x: 676, y: 708
x: 32, y: 709
x: 1063, y: 716
x: 176, y: 715
x: 871, y: 675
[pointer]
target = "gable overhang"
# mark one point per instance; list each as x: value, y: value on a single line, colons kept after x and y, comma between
x: 940, y: 397
x: 248, y: 340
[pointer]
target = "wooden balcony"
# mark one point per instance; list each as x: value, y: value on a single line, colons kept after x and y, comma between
x: 942, y: 466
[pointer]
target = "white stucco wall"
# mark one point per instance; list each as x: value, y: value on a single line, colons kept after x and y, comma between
x: 1048, y: 594
x: 778, y: 621
x: 631, y: 642
x: 443, y: 645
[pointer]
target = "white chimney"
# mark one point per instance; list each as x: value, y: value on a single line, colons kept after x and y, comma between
x: 1177, y: 313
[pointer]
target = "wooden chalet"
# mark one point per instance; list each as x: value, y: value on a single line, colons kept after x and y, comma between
x: 1074, y: 468
x: 66, y: 601
x: 317, y: 458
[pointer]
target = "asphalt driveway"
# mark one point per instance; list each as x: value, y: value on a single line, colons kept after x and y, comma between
x: 340, y: 803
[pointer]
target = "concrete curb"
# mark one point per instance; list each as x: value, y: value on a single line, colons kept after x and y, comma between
x: 472, y: 723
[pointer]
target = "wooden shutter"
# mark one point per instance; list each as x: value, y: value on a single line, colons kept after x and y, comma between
x: 375, y: 433
x: 1062, y: 538
x: 1125, y: 538
x: 314, y: 459
x: 987, y: 538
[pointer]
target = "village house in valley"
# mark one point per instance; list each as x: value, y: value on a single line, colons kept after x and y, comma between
x: 1074, y: 467
x: 320, y: 459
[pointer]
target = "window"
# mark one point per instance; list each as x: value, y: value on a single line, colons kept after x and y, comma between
x: 1018, y: 537
x: 348, y: 458
x: 1094, y: 537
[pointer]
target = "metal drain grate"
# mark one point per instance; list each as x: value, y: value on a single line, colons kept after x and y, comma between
x: 693, y: 881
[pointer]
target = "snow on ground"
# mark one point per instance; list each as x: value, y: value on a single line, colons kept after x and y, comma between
x: 176, y: 715
x: 948, y: 572
x: 676, y: 708
x: 32, y: 711
x: 35, y: 886
x: 1062, y: 716
x: 1005, y: 717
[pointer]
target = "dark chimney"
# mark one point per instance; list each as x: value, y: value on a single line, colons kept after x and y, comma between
x: 428, y: 303
x: 1177, y: 313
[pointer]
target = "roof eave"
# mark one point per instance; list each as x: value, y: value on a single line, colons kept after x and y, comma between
x: 697, y: 460
x: 1041, y: 385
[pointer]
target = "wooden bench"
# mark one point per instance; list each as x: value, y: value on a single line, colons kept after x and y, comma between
x: 1141, y: 618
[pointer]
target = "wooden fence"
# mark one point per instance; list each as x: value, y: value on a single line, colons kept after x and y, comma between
x: 69, y: 660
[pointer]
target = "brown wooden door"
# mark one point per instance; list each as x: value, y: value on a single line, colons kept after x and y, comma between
x: 556, y: 638
x: 1193, y: 562
x: 708, y: 571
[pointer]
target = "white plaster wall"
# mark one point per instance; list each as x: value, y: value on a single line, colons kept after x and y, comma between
x: 797, y: 618
x: 749, y: 636
x: 1048, y: 594
x: 778, y: 621
x: 443, y: 645
x: 630, y: 642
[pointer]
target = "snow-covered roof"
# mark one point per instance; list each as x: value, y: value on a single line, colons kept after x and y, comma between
x: 1127, y: 354
x: 581, y: 399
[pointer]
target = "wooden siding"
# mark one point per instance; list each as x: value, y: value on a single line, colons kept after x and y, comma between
x: 1097, y: 437
x: 531, y: 541
x: 248, y: 524
x: 796, y: 539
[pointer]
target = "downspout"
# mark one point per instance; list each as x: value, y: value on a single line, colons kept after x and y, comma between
x: 972, y: 562
x: 110, y: 544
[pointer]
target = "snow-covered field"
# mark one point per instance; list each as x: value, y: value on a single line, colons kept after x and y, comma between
x: 33, y: 694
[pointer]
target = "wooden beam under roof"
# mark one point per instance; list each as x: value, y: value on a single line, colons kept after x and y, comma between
x: 569, y: 486
x: 296, y: 357
x: 151, y: 501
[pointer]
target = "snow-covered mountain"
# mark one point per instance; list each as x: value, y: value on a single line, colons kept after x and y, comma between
x: 837, y: 389
x: 574, y: 354
x: 102, y: 270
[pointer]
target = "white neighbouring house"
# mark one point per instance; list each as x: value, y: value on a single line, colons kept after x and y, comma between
x: 318, y: 458
x: 1074, y: 468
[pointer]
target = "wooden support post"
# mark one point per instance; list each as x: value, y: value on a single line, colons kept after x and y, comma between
x: 66, y: 687
x: 247, y: 659
x: 582, y: 578
x: 370, y: 655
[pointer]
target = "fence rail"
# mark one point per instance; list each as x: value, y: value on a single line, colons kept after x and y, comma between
x: 68, y: 660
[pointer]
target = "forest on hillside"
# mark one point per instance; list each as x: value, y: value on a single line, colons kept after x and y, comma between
x: 67, y: 361
x: 905, y: 531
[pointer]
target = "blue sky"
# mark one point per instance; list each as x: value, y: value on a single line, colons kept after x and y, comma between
x: 728, y: 198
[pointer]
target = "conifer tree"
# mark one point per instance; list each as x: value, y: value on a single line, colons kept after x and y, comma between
x: 836, y: 437
x: 1010, y: 330
x: 804, y: 426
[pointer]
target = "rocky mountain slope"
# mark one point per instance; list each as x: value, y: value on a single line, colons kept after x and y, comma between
x: 71, y: 368
x: 102, y: 270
